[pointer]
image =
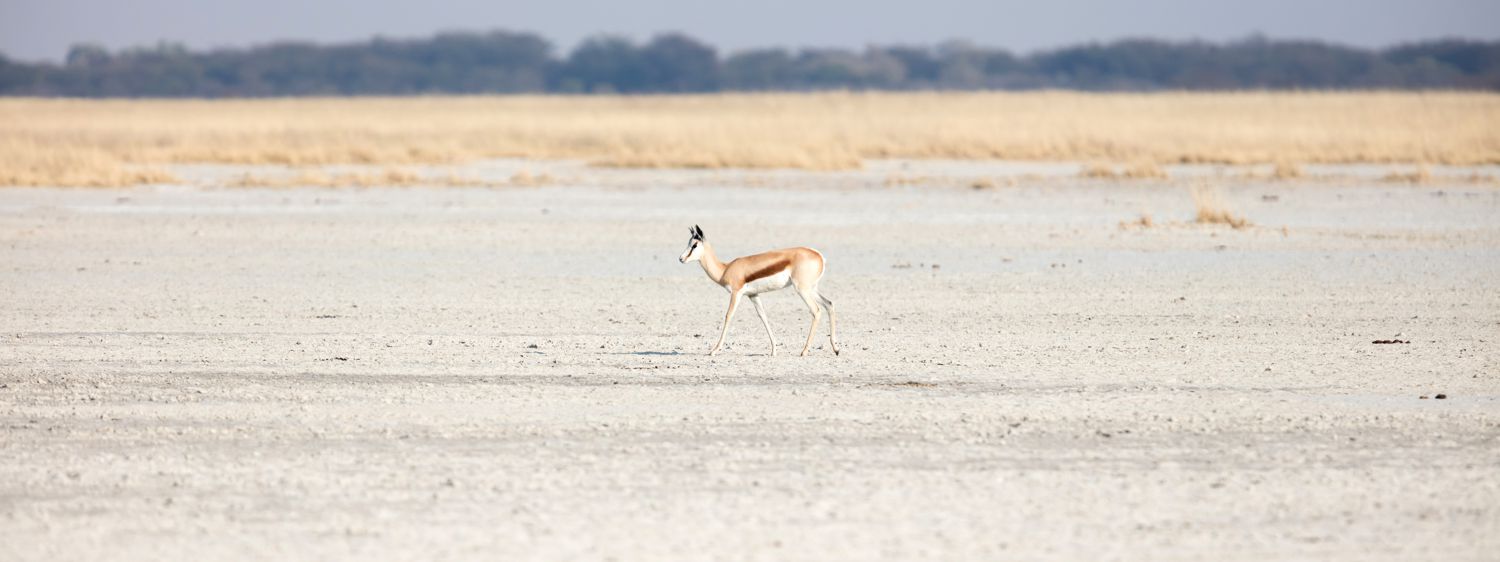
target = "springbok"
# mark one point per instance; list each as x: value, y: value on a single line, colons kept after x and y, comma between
x: 750, y: 276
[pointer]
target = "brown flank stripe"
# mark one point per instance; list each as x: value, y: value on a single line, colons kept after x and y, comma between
x: 776, y: 267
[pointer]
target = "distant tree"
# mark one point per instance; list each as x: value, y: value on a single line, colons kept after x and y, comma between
x: 87, y: 54
x: 16, y: 78
x: 880, y: 71
x: 1472, y: 63
x: 760, y: 69
x: 501, y: 62
x: 824, y: 69
x: 473, y: 63
x: 678, y: 63
x: 1125, y: 65
x: 1468, y: 57
x: 604, y: 65
x: 165, y: 70
x: 919, y: 64
x: 961, y: 66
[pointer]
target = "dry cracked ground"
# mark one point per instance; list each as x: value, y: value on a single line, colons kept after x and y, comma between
x: 520, y: 373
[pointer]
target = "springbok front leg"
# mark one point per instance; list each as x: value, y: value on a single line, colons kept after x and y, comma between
x: 734, y: 302
x: 755, y: 300
x: 812, y: 305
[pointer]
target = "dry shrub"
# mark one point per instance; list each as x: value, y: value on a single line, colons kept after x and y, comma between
x: 898, y: 179
x: 1286, y: 171
x: 1145, y: 171
x: 722, y: 154
x: 1421, y: 174
x: 1480, y: 179
x: 1098, y: 171
x: 1143, y: 222
x: 526, y: 179
x: 976, y: 183
x: 1137, y: 171
x: 816, y: 131
x: 385, y: 177
x: 1212, y: 209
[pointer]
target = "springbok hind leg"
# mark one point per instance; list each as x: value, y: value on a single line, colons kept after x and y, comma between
x: 812, y: 305
x: 755, y: 300
x: 833, y: 323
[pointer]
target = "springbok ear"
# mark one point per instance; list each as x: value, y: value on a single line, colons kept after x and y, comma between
x: 698, y: 231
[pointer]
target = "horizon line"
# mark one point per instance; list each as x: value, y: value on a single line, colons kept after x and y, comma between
x: 640, y: 38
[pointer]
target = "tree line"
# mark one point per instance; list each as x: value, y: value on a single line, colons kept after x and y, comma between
x: 510, y: 62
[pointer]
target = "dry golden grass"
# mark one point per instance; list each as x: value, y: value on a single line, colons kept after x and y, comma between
x: 111, y: 142
x: 1286, y: 171
x: 1097, y: 171
x: 946, y: 180
x: 1213, y: 210
x: 386, y: 177
x: 1421, y: 174
x: 1137, y: 171
x: 32, y: 163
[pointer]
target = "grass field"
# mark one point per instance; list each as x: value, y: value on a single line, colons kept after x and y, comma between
x: 123, y: 142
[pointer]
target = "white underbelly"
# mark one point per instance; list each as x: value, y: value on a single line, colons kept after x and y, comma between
x: 767, y: 284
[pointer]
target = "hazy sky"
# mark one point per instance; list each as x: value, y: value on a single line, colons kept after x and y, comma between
x: 43, y: 29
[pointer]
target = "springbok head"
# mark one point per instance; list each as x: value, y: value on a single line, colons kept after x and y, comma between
x: 695, y: 245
